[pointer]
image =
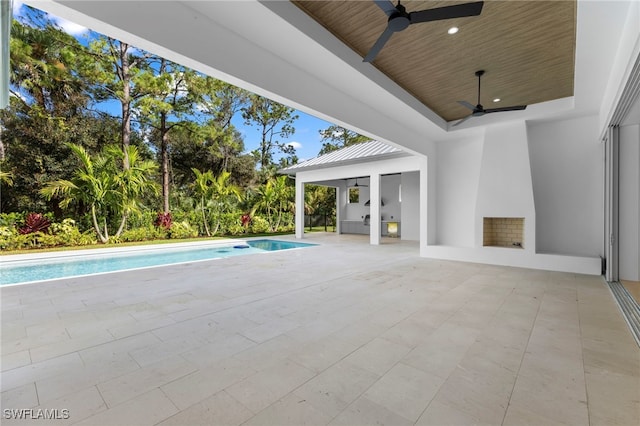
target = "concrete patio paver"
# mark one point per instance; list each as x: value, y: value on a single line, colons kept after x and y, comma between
x: 342, y: 333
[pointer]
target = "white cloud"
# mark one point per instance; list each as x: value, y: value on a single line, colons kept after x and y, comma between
x: 67, y: 26
x: 295, y: 145
x: 17, y: 4
x: 70, y: 27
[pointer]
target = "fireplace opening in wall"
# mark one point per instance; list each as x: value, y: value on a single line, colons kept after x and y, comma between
x: 503, y: 232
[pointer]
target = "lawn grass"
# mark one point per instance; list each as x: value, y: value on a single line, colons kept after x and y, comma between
x: 320, y: 229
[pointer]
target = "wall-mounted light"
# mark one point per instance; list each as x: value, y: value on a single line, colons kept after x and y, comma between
x: 452, y: 30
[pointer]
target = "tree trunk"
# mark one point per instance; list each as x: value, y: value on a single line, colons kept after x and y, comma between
x: 264, y: 149
x: 204, y: 218
x: 269, y: 221
x: 122, y: 223
x: 164, y: 152
x: 275, y: 229
x: 96, y: 227
x: 125, y: 102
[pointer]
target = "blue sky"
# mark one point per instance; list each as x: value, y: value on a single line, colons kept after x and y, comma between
x: 306, y: 139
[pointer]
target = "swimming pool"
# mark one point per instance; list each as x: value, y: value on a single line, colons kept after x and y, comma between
x: 67, y: 265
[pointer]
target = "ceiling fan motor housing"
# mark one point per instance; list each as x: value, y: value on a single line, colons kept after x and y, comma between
x: 399, y: 20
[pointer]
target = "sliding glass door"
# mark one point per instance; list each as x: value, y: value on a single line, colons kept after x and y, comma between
x: 611, y: 203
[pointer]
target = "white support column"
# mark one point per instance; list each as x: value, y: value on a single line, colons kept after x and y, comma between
x: 339, y: 204
x: 425, y: 194
x: 299, y: 208
x: 6, y: 17
x: 375, y: 221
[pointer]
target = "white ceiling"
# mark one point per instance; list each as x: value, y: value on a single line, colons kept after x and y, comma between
x: 274, y: 49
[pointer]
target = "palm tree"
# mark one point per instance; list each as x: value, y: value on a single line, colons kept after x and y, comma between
x: 6, y: 177
x: 310, y: 203
x: 285, y: 195
x: 274, y: 198
x: 100, y: 184
x: 202, y: 189
x: 266, y: 201
x: 223, y: 194
x: 215, y: 196
x: 134, y: 181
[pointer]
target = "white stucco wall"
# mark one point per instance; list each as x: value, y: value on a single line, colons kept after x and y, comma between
x: 458, y: 172
x: 410, y: 214
x: 629, y: 229
x: 622, y: 57
x: 357, y: 211
x: 488, y: 177
x: 548, y: 173
x: 389, y: 190
x: 504, y: 185
x: 567, y: 163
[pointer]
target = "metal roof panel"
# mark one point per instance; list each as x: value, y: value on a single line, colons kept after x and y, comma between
x: 363, y: 151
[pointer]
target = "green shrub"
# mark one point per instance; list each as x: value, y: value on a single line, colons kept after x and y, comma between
x: 287, y: 228
x: 182, y: 230
x: 31, y: 241
x: 259, y: 225
x: 65, y: 233
x: 68, y: 234
x: 190, y: 216
x: 288, y: 222
x: 11, y: 220
x: 230, y: 224
x: 8, y: 237
x: 235, y: 229
x: 144, y: 233
x: 141, y: 219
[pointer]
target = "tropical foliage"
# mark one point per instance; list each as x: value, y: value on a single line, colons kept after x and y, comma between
x: 105, y: 142
x: 111, y: 185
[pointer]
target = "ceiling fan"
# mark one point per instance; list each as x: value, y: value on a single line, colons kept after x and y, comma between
x: 359, y: 186
x: 399, y: 19
x: 479, y: 110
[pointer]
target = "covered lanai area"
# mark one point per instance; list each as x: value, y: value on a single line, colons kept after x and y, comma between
x: 377, y: 190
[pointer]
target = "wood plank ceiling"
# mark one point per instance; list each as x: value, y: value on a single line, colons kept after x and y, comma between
x: 527, y: 49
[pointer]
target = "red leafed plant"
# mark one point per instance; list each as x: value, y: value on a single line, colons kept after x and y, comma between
x: 35, y: 222
x: 163, y: 220
x: 246, y: 219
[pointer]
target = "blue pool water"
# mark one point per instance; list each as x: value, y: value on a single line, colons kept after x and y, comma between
x: 23, y: 271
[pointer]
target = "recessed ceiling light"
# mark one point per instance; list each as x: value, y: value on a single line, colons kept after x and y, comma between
x: 453, y: 30
x: 496, y: 100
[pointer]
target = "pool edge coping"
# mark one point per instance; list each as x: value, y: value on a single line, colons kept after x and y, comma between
x: 10, y: 258
x: 30, y: 257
